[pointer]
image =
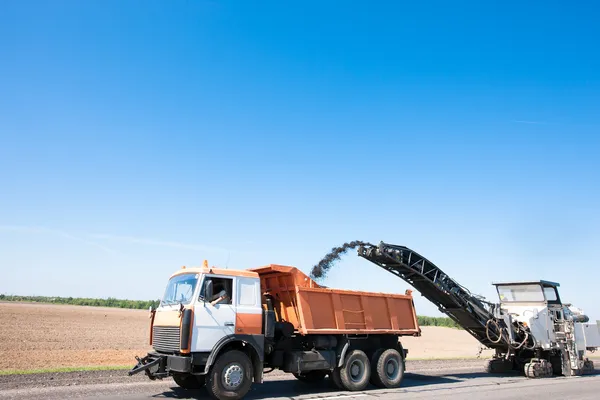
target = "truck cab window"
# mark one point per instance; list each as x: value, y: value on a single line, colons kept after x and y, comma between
x: 180, y: 289
x: 222, y: 290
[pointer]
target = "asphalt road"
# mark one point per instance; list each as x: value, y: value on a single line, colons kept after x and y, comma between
x: 426, y: 383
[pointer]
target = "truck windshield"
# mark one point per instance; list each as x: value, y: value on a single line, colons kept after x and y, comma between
x: 180, y: 289
x: 521, y: 293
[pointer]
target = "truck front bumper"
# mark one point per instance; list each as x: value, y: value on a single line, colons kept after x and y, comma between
x: 157, y: 365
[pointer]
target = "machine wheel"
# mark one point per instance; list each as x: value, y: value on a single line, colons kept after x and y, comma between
x: 499, y: 366
x: 356, y: 371
x: 230, y: 378
x: 557, y: 368
x: 311, y: 376
x: 538, y: 368
x: 588, y: 367
x: 387, y: 368
x: 189, y: 381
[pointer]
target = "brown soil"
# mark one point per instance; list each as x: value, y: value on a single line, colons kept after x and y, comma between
x: 439, y: 342
x: 38, y: 336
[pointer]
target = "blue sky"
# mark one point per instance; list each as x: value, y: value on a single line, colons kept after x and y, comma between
x: 140, y: 136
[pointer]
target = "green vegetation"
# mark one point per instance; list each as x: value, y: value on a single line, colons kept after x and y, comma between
x: 77, y: 301
x: 437, y: 321
x: 64, y: 369
x: 144, y: 305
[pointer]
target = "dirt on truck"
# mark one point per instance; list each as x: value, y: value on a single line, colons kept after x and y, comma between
x: 222, y: 328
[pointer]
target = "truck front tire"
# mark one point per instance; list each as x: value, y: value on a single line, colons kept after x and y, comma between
x: 190, y: 382
x: 230, y: 378
x: 356, y: 371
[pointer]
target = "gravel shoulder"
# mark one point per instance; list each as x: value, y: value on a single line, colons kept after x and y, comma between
x: 80, y: 378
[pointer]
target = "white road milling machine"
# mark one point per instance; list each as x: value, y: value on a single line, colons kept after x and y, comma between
x: 530, y: 329
x: 551, y: 335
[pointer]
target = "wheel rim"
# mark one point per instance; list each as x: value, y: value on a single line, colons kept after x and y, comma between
x: 233, y: 376
x: 392, y: 369
x: 357, y: 369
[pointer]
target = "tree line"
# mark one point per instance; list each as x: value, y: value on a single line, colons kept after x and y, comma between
x: 437, y: 321
x: 145, y: 304
x: 82, y: 301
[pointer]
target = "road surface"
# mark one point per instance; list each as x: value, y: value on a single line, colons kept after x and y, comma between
x: 427, y: 381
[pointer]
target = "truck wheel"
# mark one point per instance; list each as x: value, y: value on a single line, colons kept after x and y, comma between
x: 311, y: 376
x: 356, y: 371
x: 388, y: 369
x: 230, y: 378
x: 189, y: 381
x: 336, y: 379
x: 374, y: 357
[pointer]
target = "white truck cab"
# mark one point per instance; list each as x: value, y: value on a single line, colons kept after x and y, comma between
x: 203, y: 313
x: 223, y: 303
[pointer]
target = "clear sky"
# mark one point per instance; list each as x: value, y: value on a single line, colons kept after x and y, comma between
x: 139, y: 136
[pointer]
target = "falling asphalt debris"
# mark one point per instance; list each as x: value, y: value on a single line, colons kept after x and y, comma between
x: 323, y: 266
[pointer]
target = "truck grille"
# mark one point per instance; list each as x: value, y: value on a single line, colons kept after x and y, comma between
x: 166, y: 338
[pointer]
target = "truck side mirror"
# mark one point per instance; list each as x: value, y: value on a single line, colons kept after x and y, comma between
x: 208, y: 290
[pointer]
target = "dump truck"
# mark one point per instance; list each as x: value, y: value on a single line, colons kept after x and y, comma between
x: 221, y: 328
x: 531, y: 329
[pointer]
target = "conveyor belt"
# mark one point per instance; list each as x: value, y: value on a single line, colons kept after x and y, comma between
x: 466, y: 309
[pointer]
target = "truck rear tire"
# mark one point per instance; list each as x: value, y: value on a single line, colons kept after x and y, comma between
x: 387, y: 368
x: 190, y: 382
x: 230, y: 378
x: 374, y: 357
x: 356, y: 371
x: 311, y: 376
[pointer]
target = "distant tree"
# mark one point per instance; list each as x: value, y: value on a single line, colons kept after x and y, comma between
x: 437, y: 321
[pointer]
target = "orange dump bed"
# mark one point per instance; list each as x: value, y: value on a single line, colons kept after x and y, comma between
x: 313, y: 309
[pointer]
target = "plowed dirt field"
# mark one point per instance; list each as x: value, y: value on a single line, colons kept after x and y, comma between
x: 37, y: 336
x: 41, y: 336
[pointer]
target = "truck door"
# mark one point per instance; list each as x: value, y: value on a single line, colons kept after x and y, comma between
x: 248, y: 307
x: 214, y: 318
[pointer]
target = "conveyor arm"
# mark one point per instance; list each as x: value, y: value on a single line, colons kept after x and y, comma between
x: 469, y: 311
